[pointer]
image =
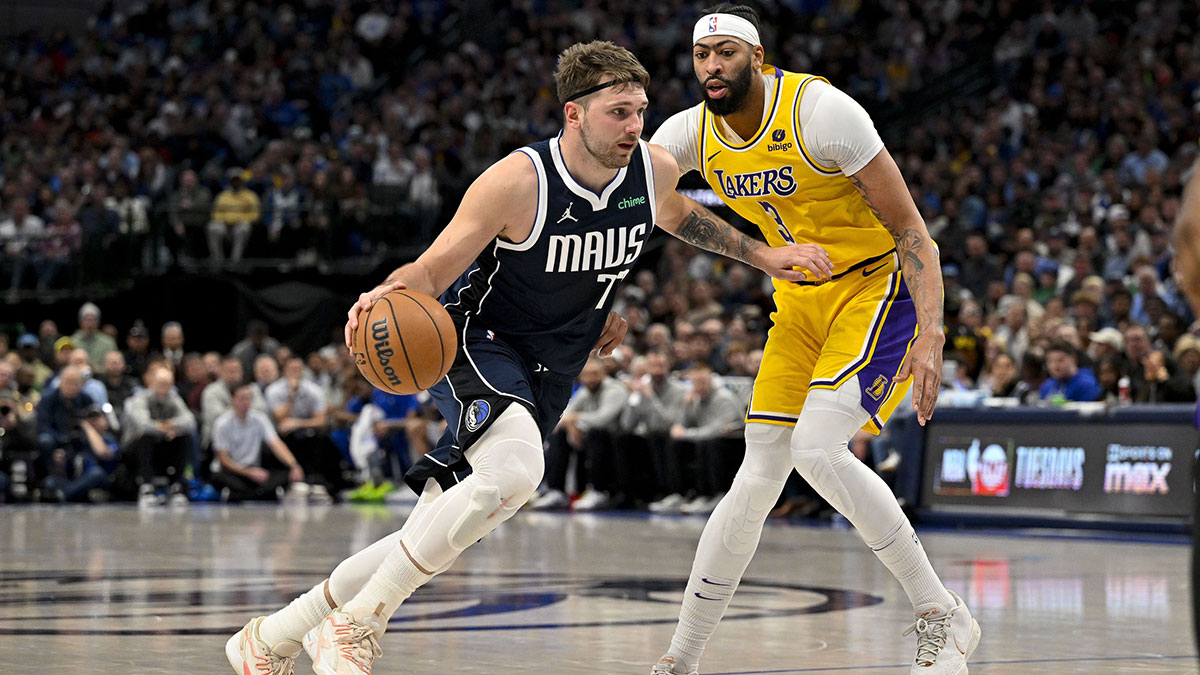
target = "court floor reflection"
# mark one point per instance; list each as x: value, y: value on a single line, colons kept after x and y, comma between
x: 118, y: 590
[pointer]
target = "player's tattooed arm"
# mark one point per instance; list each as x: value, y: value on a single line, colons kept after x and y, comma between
x: 704, y: 229
x: 917, y: 254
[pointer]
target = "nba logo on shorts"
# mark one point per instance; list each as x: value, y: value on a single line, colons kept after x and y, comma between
x: 712, y: 25
x: 477, y: 413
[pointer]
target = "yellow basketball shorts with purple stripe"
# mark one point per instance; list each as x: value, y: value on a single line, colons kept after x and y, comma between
x: 860, y: 324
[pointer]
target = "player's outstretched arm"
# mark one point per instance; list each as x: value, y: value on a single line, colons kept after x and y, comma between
x: 500, y: 203
x: 883, y: 188
x: 1186, y: 235
x: 690, y: 221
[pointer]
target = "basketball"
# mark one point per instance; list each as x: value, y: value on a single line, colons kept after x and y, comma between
x: 405, y: 342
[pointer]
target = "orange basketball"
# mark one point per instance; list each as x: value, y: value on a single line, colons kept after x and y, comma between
x: 405, y: 342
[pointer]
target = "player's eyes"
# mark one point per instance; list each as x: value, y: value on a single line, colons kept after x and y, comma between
x: 728, y: 53
x: 619, y: 112
x: 700, y: 55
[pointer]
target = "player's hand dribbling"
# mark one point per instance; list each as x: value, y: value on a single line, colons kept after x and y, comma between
x: 612, y: 337
x: 364, y: 303
x: 924, y: 363
x: 797, y: 262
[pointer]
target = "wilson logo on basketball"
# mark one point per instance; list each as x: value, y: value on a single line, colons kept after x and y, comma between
x: 383, y: 352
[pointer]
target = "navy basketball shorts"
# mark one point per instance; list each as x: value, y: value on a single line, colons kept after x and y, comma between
x: 487, y: 376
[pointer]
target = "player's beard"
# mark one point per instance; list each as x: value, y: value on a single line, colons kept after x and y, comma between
x: 737, y: 89
x: 612, y: 158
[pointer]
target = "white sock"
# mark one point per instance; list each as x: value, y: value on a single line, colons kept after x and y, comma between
x: 902, y: 553
x: 293, y: 621
x: 389, y: 586
x: 730, y: 538
x: 704, y: 603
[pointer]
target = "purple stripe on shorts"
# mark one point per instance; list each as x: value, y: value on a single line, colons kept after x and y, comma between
x: 875, y: 379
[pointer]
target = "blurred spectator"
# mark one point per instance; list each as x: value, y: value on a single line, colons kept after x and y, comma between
x: 157, y: 437
x: 586, y: 431
x: 137, y: 350
x: 89, y: 337
x: 423, y: 195
x: 193, y: 378
x: 234, y: 213
x: 60, y: 246
x: 92, y: 386
x: 190, y: 209
x: 218, y: 397
x: 299, y: 410
x: 266, y: 372
x: 1154, y: 376
x: 1033, y: 376
x: 1000, y: 378
x: 238, y: 436
x: 1187, y: 353
x: 118, y: 384
x: 135, y: 250
x: 26, y: 393
x: 708, y: 437
x: 21, y: 235
x: 284, y: 207
x: 83, y: 470
x: 1067, y: 380
x: 58, y: 415
x: 655, y: 403
x: 256, y: 343
x: 27, y: 348
x: 172, y: 344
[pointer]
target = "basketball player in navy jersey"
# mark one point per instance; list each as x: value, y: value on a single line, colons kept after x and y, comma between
x: 528, y: 269
x: 1187, y: 274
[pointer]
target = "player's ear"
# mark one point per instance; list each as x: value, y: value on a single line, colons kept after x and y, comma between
x: 572, y: 115
x: 758, y: 56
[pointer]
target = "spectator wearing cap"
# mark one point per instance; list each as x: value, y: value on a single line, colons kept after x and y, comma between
x: 82, y: 469
x: 234, y: 213
x: 1067, y: 379
x: 1106, y: 343
x: 137, y: 350
x: 27, y: 349
x: 158, y: 434
x: 89, y: 337
x: 238, y: 436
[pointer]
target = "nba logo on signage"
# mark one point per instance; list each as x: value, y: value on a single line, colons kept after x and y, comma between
x: 712, y: 25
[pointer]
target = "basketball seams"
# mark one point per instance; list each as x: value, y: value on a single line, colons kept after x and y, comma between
x: 400, y: 339
x: 441, y: 340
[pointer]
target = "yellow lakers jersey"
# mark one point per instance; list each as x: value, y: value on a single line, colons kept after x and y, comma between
x: 774, y: 182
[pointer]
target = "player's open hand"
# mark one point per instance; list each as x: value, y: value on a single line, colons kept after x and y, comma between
x: 364, y: 303
x: 797, y: 262
x: 924, y: 364
x: 613, y: 335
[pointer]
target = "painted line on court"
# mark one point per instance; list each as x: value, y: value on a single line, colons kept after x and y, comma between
x: 893, y: 666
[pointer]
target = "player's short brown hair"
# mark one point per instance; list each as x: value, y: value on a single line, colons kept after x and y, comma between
x: 583, y: 66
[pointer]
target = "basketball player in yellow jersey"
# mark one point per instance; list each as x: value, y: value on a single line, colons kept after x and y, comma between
x: 801, y: 159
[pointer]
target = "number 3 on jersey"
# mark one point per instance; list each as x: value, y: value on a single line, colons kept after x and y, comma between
x: 774, y: 213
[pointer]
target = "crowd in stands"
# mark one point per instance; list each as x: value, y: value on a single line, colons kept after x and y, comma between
x: 210, y: 132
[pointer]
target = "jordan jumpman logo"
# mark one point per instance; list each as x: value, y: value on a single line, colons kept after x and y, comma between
x: 567, y: 214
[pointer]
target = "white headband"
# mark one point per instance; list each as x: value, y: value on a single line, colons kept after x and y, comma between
x: 725, y: 24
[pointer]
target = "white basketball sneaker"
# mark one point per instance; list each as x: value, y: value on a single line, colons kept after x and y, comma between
x: 946, y: 638
x: 248, y: 654
x: 667, y: 666
x: 343, y: 645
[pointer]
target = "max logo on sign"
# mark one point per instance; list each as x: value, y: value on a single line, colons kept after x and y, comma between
x: 477, y: 414
x: 383, y: 352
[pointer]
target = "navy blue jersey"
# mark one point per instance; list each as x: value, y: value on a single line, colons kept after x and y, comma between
x: 549, y: 296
